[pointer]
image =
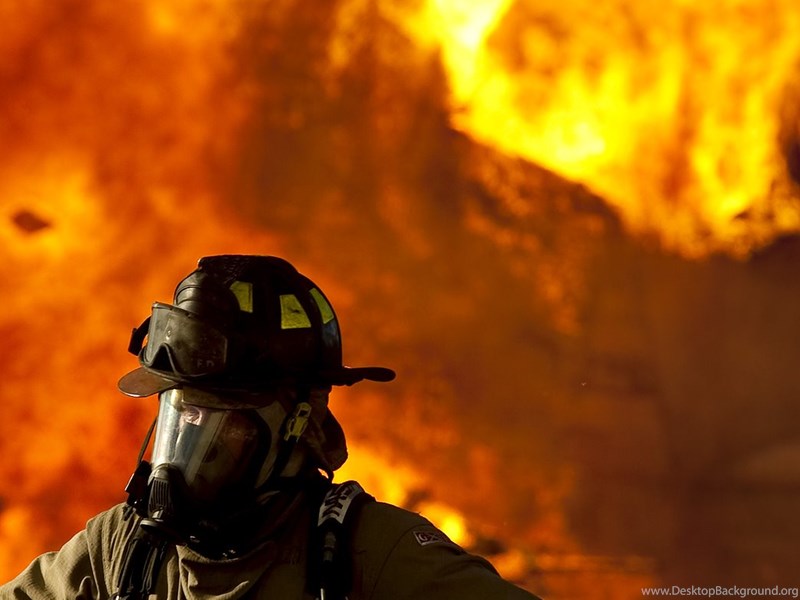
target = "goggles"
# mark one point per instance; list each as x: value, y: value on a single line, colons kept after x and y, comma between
x: 180, y: 342
x: 183, y: 348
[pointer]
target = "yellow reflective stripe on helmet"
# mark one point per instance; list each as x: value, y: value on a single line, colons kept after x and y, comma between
x: 324, y: 308
x: 292, y: 314
x: 243, y: 290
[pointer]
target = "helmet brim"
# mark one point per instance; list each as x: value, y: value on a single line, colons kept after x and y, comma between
x: 351, y: 375
x: 142, y: 382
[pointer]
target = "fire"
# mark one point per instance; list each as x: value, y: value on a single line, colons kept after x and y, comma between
x: 396, y: 483
x: 140, y: 137
x: 674, y: 114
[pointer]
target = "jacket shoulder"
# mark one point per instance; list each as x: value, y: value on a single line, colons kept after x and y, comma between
x: 401, y: 555
x: 106, y: 536
x: 80, y: 569
x: 381, y: 525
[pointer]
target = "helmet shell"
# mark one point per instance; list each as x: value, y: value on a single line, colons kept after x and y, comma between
x: 242, y: 322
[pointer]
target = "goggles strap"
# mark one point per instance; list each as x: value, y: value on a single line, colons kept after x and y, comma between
x: 137, y: 337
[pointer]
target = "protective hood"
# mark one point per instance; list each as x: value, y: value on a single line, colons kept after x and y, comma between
x: 324, y: 437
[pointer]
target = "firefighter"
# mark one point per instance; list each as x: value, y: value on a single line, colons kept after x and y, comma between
x: 237, y: 500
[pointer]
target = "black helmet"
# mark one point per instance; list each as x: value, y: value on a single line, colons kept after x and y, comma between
x: 242, y: 323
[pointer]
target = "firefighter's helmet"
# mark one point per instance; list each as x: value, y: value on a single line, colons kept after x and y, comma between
x: 242, y: 323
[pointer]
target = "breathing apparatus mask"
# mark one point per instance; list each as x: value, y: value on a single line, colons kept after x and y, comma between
x: 206, y: 462
x: 217, y: 463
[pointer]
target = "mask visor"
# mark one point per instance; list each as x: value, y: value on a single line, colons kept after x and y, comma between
x: 217, y: 451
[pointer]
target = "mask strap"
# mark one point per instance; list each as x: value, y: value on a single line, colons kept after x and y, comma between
x: 297, y: 423
x: 293, y: 427
x: 147, y: 440
x: 141, y: 564
x: 137, y: 485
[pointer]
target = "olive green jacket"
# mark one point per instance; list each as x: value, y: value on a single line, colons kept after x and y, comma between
x: 397, y: 555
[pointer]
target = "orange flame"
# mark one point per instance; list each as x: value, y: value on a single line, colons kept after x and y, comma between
x: 133, y: 144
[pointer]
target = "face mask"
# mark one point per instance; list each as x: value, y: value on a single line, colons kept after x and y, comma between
x: 216, y: 451
x: 205, y: 460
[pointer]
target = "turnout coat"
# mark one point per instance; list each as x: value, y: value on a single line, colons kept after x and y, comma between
x: 394, y: 555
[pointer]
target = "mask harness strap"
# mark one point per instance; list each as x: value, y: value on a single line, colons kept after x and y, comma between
x: 144, y: 552
x: 137, y: 484
x: 293, y: 429
x: 141, y: 565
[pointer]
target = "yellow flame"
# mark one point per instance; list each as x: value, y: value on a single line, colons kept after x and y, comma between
x: 395, y: 483
x: 387, y: 481
x: 450, y: 521
x: 460, y: 29
x: 672, y: 113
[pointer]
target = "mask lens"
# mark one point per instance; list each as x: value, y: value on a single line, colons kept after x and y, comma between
x: 219, y: 452
x: 192, y: 346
